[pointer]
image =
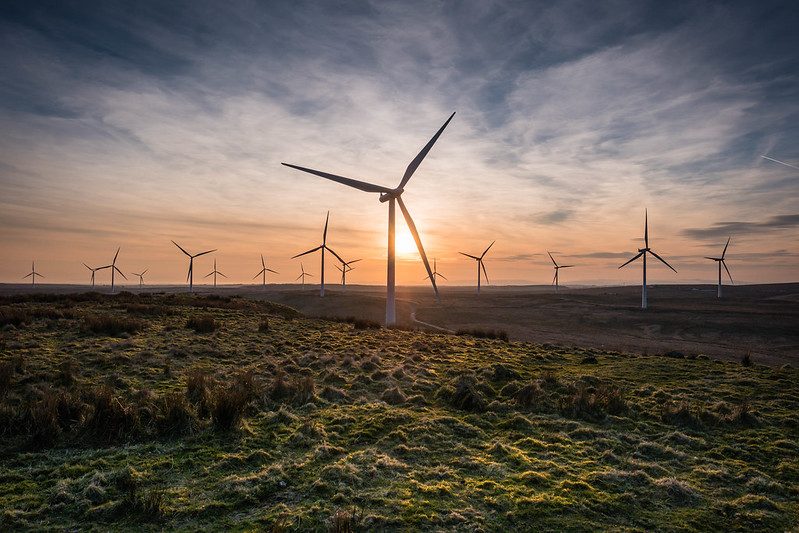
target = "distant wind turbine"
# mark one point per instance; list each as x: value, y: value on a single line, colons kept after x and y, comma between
x: 264, y: 270
x: 435, y: 272
x: 720, y: 261
x: 141, y: 276
x: 480, y: 264
x: 344, y: 268
x: 214, y: 272
x: 642, y: 253
x: 190, y: 276
x: 391, y: 196
x: 780, y: 162
x: 555, y: 280
x: 33, y: 274
x: 114, y: 269
x: 322, y: 247
x: 304, y: 273
x: 93, y: 270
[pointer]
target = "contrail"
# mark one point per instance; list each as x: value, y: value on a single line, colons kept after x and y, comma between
x: 780, y: 162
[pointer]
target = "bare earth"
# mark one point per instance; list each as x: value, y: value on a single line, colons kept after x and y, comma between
x: 762, y: 320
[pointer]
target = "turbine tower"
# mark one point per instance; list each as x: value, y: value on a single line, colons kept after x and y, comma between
x: 114, y: 269
x: 190, y: 276
x: 141, y: 276
x: 93, y: 270
x: 555, y: 280
x: 642, y: 253
x: 720, y: 261
x: 344, y: 268
x: 304, y: 273
x: 480, y: 264
x: 264, y: 270
x: 33, y: 274
x: 435, y: 272
x: 392, y: 196
x: 214, y: 272
x: 322, y: 247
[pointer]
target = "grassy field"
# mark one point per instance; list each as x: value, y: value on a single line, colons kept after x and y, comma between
x: 169, y: 411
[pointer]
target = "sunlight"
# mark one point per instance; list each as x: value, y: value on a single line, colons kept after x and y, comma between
x: 405, y: 243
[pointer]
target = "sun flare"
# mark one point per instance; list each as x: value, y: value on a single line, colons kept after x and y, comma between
x: 405, y: 244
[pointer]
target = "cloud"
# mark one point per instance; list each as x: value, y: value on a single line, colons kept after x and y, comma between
x: 725, y: 229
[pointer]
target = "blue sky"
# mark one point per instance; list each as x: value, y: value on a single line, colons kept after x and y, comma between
x: 133, y: 123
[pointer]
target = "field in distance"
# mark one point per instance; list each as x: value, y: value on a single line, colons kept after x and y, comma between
x: 177, y: 411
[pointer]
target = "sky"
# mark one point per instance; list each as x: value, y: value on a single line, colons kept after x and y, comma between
x: 131, y: 124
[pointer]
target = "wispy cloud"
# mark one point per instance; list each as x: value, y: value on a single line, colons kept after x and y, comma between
x: 725, y: 229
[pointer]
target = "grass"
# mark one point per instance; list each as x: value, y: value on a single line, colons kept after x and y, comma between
x: 310, y: 424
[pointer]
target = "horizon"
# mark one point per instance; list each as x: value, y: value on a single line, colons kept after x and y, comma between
x: 130, y: 127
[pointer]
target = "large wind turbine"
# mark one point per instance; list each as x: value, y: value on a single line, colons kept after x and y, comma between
x: 480, y: 264
x: 141, y: 276
x: 114, y: 269
x: 322, y: 247
x: 93, y: 270
x: 33, y: 274
x: 642, y: 253
x: 264, y: 270
x: 344, y: 268
x: 214, y: 272
x: 720, y: 261
x: 555, y: 280
x: 391, y: 196
x: 435, y: 272
x: 190, y: 276
x: 304, y: 273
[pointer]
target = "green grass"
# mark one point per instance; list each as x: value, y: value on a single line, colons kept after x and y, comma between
x: 375, y: 429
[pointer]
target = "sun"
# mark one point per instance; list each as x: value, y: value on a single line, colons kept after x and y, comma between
x: 404, y: 242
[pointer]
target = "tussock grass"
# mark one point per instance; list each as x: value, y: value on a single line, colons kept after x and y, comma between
x: 202, y: 324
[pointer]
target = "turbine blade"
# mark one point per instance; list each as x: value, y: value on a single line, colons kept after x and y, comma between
x: 115, y: 256
x: 258, y: 274
x: 87, y: 266
x: 725, y: 247
x: 361, y: 185
x: 712, y: 258
x: 263, y: 264
x: 181, y: 248
x: 308, y: 252
x: 298, y: 277
x: 206, y: 252
x: 354, y: 261
x: 646, y: 228
x: 29, y: 275
x: 324, y: 234
x: 415, y: 233
x: 554, y: 277
x: 338, y: 268
x: 662, y: 260
x: 441, y: 276
x: 145, y: 271
x: 418, y: 159
x: 120, y: 272
x: 224, y: 276
x: 469, y: 255
x: 272, y: 271
x: 728, y: 271
x: 633, y: 259
x: 332, y: 252
x: 566, y: 266
x: 487, y: 249
x: 553, y: 260
x: 209, y: 274
x: 485, y: 272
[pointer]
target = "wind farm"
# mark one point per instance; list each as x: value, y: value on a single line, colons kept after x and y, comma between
x: 602, y: 378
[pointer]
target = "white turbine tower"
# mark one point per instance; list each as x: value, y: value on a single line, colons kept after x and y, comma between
x: 114, y: 269
x: 263, y: 271
x: 720, y: 261
x: 190, y: 276
x: 391, y: 196
x: 33, y: 274
x: 642, y: 253
x: 556, y: 279
x: 322, y: 247
x: 304, y: 273
x: 141, y: 276
x: 480, y: 264
x: 93, y: 270
x: 214, y: 272
x: 344, y: 268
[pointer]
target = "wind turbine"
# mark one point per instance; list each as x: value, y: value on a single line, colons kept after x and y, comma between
x: 322, y: 247
x: 190, y: 276
x: 480, y: 264
x: 642, y: 253
x: 344, y: 268
x: 304, y: 273
x: 435, y: 272
x: 214, y: 272
x: 33, y: 274
x: 555, y: 280
x: 114, y: 269
x: 264, y: 270
x: 141, y: 276
x: 720, y: 261
x: 391, y: 196
x: 93, y: 270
